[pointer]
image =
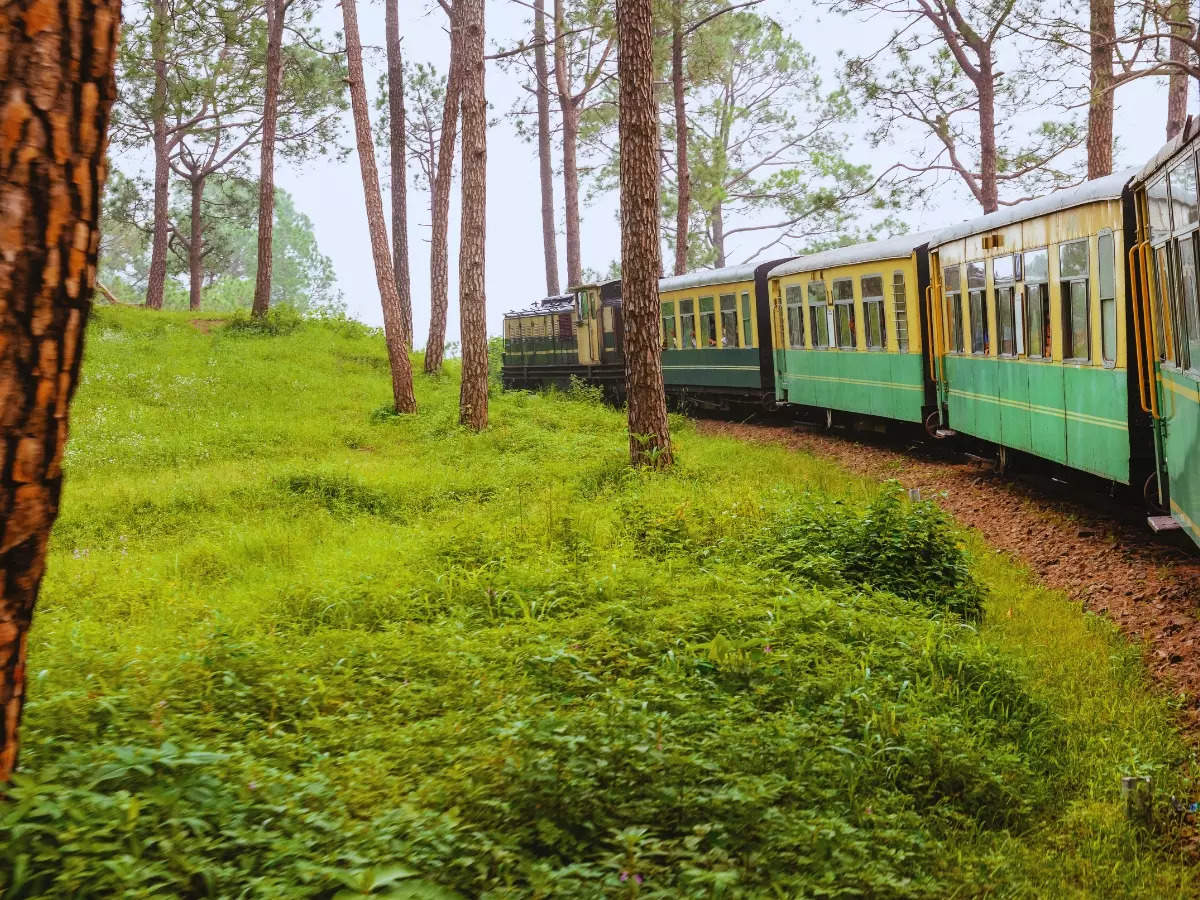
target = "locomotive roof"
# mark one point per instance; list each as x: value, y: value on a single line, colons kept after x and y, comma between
x: 544, y: 307
x: 1110, y: 187
x: 892, y: 248
x: 707, y: 277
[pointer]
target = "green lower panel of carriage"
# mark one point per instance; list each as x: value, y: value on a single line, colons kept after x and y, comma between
x: 1073, y: 415
x: 727, y: 368
x: 891, y: 385
x: 1180, y: 408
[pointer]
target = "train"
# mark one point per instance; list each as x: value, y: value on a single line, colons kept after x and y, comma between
x: 1063, y: 329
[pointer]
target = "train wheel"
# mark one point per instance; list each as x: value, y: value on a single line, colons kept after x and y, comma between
x: 1150, y: 495
x: 932, y: 425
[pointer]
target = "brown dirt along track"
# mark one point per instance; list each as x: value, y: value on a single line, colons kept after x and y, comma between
x: 1098, y: 553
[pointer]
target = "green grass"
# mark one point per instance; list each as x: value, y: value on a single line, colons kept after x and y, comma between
x: 288, y: 641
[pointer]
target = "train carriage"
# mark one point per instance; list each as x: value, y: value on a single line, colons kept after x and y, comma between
x: 1164, y: 259
x: 1030, y: 329
x: 848, y: 329
x: 716, y: 339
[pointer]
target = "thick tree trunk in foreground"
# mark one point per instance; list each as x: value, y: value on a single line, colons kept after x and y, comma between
x: 439, y: 251
x: 399, y: 162
x: 276, y: 11
x: 402, y: 382
x: 545, y: 164
x: 1177, y: 83
x: 1100, y: 104
x: 682, y: 170
x: 156, y: 283
x: 196, y: 244
x: 649, y: 437
x: 473, y: 398
x: 58, y: 90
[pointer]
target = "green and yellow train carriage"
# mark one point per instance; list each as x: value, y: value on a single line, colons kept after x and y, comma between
x: 848, y: 330
x: 716, y: 338
x: 1030, y: 329
x: 1164, y: 259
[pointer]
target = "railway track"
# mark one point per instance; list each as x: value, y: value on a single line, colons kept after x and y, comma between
x: 1092, y: 544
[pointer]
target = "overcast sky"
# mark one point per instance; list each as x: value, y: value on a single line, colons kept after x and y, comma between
x: 331, y: 192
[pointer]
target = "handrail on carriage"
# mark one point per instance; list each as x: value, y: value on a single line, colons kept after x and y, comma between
x: 1134, y: 272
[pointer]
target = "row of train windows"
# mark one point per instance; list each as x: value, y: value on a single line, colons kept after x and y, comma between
x: 835, y: 324
x: 1176, y: 272
x: 1023, y: 318
x: 714, y: 332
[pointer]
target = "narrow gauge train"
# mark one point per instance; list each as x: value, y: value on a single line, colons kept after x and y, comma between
x: 1066, y: 328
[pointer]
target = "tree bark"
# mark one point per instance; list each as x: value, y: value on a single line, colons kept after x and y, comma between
x: 58, y: 91
x: 682, y: 170
x: 570, y: 151
x: 401, y: 365
x: 545, y: 164
x: 196, y: 244
x: 276, y: 12
x: 472, y: 305
x: 399, y: 161
x: 1100, y: 103
x: 439, y: 252
x: 989, y: 192
x: 649, y: 437
x: 1177, y: 84
x: 156, y: 283
x: 717, y: 216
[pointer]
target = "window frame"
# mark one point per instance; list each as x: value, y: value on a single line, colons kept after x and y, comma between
x: 793, y: 343
x: 1105, y: 361
x: 747, y: 320
x: 900, y: 308
x: 839, y: 305
x: 1006, y: 286
x: 703, y: 340
x: 1066, y: 303
x: 722, y: 312
x: 817, y: 309
x: 953, y: 300
x: 881, y: 300
x: 687, y: 317
x: 663, y: 316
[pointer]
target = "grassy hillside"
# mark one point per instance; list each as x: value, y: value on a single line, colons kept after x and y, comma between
x: 290, y: 644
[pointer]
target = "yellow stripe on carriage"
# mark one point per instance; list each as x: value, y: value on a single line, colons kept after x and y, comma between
x: 859, y: 381
x: 1085, y: 418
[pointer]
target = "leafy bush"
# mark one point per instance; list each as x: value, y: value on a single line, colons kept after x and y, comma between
x: 280, y: 319
x: 909, y: 549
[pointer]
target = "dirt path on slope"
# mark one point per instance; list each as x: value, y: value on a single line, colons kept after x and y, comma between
x: 1107, y: 560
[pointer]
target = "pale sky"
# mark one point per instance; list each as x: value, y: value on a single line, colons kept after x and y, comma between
x: 331, y: 192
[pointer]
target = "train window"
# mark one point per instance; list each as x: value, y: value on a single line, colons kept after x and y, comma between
x: 1004, y: 269
x: 747, y: 321
x: 795, y: 311
x: 976, y: 300
x: 900, y: 301
x: 1006, y: 320
x: 1182, y: 179
x: 817, y: 317
x: 1036, y: 264
x: 687, y: 324
x: 951, y: 279
x: 670, y: 342
x: 1158, y: 205
x: 729, y: 321
x: 1073, y: 279
x: 708, y: 323
x: 1189, y: 297
x: 843, y: 313
x: 1166, y: 351
x: 873, y: 315
x: 1106, y: 251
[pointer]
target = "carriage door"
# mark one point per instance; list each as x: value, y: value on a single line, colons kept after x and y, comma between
x: 587, y: 315
x: 615, y: 321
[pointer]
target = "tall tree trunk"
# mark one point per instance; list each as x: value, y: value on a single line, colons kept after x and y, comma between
x: 682, y: 170
x: 401, y: 365
x: 472, y: 305
x: 717, y: 218
x: 439, y: 252
x: 1100, y: 104
x: 989, y: 193
x: 58, y: 90
x: 649, y: 437
x: 156, y: 283
x: 276, y: 12
x: 570, y: 126
x: 1177, y: 84
x: 570, y: 123
x: 545, y: 164
x: 399, y: 161
x: 196, y: 244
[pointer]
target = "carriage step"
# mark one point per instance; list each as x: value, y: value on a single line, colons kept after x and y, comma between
x: 1163, y: 523
x: 945, y: 433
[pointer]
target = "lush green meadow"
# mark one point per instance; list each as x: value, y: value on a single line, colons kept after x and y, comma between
x: 291, y: 645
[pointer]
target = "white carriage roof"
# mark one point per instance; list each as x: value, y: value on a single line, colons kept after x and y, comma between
x: 1109, y: 187
x: 706, y: 277
x: 892, y: 248
x: 1169, y: 149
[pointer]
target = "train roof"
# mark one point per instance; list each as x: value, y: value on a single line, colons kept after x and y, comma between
x: 897, y: 247
x: 545, y: 306
x: 1190, y: 129
x: 1110, y: 187
x: 706, y: 277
